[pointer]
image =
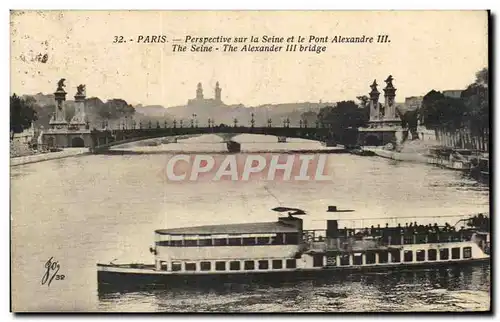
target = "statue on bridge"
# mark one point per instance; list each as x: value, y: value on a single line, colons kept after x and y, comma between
x: 80, y: 90
x: 389, y: 81
x: 60, y: 84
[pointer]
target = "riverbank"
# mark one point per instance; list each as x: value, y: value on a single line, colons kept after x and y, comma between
x: 68, y: 152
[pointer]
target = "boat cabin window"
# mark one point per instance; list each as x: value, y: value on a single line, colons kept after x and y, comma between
x: 234, y: 241
x: 190, y: 242
x: 277, y: 264
x: 370, y: 257
x: 163, y: 266
x: 467, y: 252
x: 249, y: 241
x: 176, y: 243
x: 234, y: 266
x: 190, y: 266
x: 420, y: 255
x: 263, y: 264
x: 344, y: 259
x: 176, y: 266
x: 317, y: 260
x: 432, y: 254
x: 395, y: 256
x: 249, y: 265
x: 262, y: 240
x: 220, y: 242
x: 408, y: 256
x: 455, y: 253
x: 220, y: 266
x: 444, y: 254
x: 383, y: 257
x: 357, y: 259
x: 205, y: 266
x: 205, y: 242
x: 291, y: 263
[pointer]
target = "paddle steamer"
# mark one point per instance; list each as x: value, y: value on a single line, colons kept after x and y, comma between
x: 283, y: 250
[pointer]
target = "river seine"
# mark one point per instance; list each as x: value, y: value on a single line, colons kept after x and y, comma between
x: 97, y: 208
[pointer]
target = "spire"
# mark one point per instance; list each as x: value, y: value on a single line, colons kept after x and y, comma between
x: 199, y: 92
x: 218, y: 91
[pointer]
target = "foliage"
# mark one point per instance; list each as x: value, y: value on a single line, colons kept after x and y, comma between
x: 346, y: 114
x: 309, y: 117
x: 471, y: 111
x: 22, y: 114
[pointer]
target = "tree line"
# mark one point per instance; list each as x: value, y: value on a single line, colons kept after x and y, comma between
x: 465, y: 119
x: 25, y: 111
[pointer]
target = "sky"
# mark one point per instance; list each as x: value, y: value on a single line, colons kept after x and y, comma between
x: 427, y: 50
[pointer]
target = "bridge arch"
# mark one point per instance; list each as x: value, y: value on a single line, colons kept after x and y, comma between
x: 77, y: 142
x: 372, y: 140
x: 117, y: 137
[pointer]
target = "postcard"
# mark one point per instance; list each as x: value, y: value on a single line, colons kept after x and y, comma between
x: 250, y: 161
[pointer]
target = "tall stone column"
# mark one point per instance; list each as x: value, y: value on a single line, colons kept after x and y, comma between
x: 374, y: 97
x: 58, y: 120
x: 79, y: 120
x: 390, y: 95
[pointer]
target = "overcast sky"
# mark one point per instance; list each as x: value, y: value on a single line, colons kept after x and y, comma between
x: 428, y: 50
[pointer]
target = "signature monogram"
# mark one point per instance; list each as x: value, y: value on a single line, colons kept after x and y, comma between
x: 51, y: 269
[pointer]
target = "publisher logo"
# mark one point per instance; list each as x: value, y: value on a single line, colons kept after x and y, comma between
x: 271, y: 167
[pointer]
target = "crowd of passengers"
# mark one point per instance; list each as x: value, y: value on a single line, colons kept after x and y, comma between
x: 429, y: 232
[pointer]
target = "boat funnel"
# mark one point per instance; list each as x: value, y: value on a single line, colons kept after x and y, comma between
x: 332, y: 209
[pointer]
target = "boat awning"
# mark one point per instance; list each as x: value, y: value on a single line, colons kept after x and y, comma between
x: 235, y: 229
x: 296, y: 211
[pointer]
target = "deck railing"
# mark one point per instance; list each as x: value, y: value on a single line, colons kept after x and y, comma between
x: 318, y: 240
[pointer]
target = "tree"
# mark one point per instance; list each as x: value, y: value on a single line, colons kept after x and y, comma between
x: 310, y: 117
x: 346, y: 114
x: 439, y: 111
x: 22, y: 114
x: 115, y: 109
x: 476, y: 101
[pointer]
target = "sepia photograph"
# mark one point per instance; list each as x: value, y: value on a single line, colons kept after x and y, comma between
x: 250, y: 161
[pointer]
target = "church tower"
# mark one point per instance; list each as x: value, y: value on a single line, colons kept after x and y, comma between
x: 218, y: 91
x: 199, y: 92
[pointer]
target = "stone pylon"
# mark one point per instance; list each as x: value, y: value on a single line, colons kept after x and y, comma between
x: 58, y: 120
x: 80, y: 118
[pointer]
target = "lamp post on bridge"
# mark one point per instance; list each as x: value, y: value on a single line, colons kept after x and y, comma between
x: 209, y: 122
x: 175, y: 123
x: 192, y: 120
x: 300, y: 123
x: 252, y: 121
x: 181, y: 123
x: 269, y: 122
x: 287, y: 122
x: 235, y: 121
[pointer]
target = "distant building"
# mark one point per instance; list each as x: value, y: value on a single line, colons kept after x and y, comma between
x: 453, y: 93
x: 201, y: 101
x: 413, y: 102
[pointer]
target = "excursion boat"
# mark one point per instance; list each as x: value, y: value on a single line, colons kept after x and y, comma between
x: 283, y: 251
